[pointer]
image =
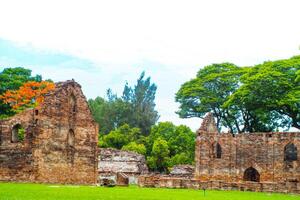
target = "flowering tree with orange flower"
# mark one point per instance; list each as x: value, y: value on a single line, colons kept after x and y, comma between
x: 29, y: 95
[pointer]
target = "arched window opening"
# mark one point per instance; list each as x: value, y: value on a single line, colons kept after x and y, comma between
x: 218, y: 151
x: 17, y: 133
x: 290, y: 152
x: 73, y: 103
x: 251, y: 174
x: 71, y: 138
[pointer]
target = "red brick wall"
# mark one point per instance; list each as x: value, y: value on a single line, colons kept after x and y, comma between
x: 262, y: 151
x: 48, y: 157
x: 16, y: 160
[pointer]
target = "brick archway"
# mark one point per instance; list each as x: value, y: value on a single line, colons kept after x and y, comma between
x: 251, y: 174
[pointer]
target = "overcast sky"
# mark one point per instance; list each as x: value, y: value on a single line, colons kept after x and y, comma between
x: 103, y: 44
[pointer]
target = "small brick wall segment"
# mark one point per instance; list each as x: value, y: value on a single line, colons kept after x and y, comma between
x: 114, y: 161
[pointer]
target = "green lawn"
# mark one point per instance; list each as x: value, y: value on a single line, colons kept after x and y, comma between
x: 18, y: 191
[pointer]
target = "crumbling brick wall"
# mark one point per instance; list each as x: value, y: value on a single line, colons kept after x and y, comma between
x: 258, y: 157
x: 60, y: 144
x: 16, y: 158
x: 266, y: 162
x: 161, y: 181
x: 113, y: 161
x: 183, y: 170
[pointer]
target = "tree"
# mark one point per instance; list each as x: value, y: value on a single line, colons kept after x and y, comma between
x: 115, y: 139
x: 262, y: 98
x: 29, y: 95
x: 12, y: 79
x: 177, y: 141
x: 208, y: 92
x: 159, y: 159
x: 120, y: 137
x: 179, y: 159
x: 136, y: 107
x: 141, y: 98
x: 180, y: 141
x: 111, y: 113
x: 183, y: 142
x: 273, y: 90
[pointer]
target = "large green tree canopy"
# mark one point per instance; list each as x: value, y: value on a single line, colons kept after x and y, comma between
x: 245, y: 99
x: 272, y: 88
x: 166, y: 145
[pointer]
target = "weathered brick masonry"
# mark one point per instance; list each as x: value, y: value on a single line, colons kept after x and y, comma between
x: 60, y: 144
x: 256, y: 162
x: 257, y: 157
x: 114, y: 161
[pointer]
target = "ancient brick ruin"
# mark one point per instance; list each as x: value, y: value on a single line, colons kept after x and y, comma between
x: 60, y: 146
x: 114, y: 163
x: 249, y: 157
x: 60, y: 143
x: 251, y: 161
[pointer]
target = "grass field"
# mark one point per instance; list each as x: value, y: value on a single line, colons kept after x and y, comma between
x: 18, y: 191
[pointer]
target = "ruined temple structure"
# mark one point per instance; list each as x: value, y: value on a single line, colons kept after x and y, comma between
x: 268, y: 162
x: 249, y: 157
x: 60, y: 141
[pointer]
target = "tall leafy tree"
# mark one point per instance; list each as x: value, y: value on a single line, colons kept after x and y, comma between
x: 273, y: 90
x: 142, y: 100
x: 250, y: 99
x: 208, y: 92
x: 12, y: 79
x: 136, y: 107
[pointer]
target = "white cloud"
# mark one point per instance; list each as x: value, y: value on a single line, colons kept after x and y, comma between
x: 170, y: 32
x: 179, y: 35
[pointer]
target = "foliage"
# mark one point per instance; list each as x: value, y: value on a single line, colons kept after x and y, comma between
x: 133, y: 146
x: 120, y: 137
x: 136, y: 107
x: 180, y: 158
x: 141, y: 98
x: 26, y: 191
x: 180, y: 142
x: 30, y: 94
x: 209, y: 91
x: 245, y: 99
x: 166, y: 146
x: 12, y: 79
x: 21, y: 134
x: 109, y: 114
x: 271, y: 89
x: 159, y: 159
